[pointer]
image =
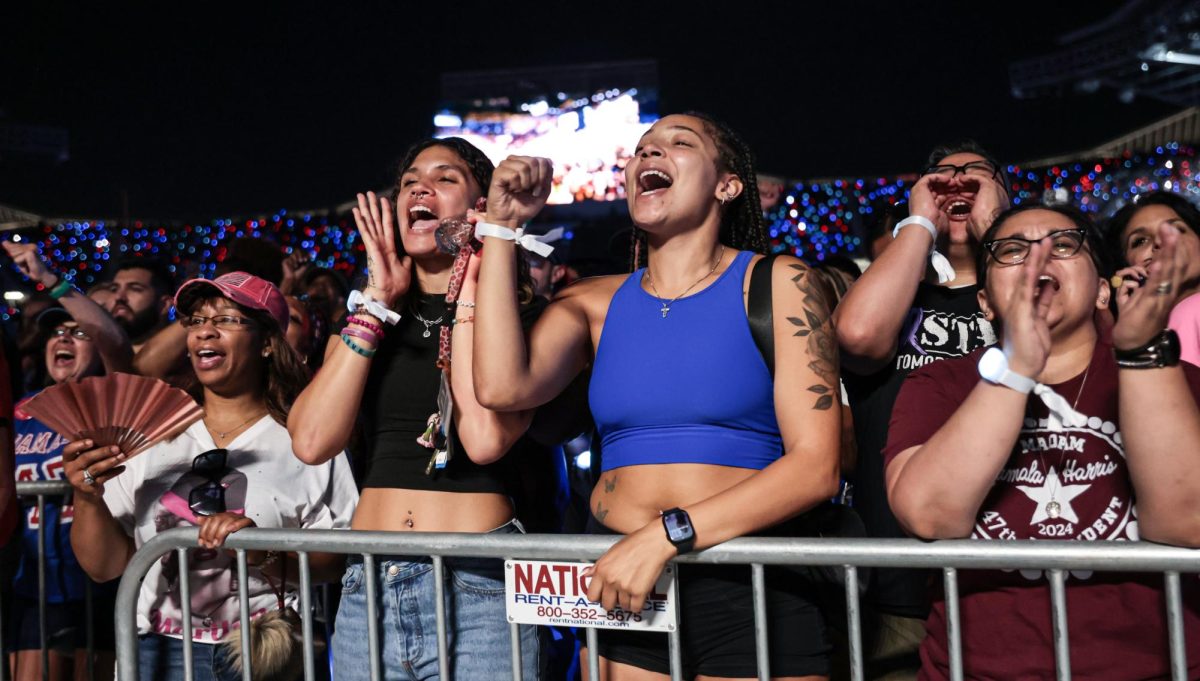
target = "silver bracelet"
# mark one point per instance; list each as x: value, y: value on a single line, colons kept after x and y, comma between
x: 466, y: 303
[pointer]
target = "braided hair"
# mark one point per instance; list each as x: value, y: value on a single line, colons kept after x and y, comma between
x: 742, y: 226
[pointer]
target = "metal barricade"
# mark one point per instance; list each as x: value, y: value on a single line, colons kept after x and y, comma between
x: 41, y: 490
x: 1056, y: 557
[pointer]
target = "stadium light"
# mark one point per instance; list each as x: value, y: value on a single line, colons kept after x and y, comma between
x: 1159, y: 52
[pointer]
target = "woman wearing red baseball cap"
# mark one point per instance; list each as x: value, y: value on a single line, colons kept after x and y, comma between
x: 233, y: 469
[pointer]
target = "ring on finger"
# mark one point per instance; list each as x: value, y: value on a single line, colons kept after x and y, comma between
x: 1163, y: 288
x: 88, y: 479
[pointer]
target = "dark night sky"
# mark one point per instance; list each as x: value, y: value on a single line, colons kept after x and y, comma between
x: 199, y: 110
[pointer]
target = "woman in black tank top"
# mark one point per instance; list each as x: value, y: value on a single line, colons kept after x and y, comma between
x: 384, y: 374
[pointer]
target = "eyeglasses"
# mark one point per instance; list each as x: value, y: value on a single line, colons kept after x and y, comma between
x: 74, y: 332
x: 972, y: 169
x: 224, y: 322
x: 1064, y: 243
x: 209, y: 498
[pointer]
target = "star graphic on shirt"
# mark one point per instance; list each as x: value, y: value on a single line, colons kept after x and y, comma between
x: 1052, y: 489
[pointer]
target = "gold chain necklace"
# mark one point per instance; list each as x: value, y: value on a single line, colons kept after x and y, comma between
x: 666, y: 306
x: 222, y: 436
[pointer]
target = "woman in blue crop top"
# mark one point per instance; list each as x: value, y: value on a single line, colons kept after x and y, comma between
x: 685, y: 405
x: 390, y: 385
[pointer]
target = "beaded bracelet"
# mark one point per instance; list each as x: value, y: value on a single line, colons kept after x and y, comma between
x: 60, y: 289
x: 464, y: 320
x: 374, y: 328
x: 361, y: 333
x: 357, y: 348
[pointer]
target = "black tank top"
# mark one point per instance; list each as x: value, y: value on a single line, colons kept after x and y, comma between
x: 400, y: 396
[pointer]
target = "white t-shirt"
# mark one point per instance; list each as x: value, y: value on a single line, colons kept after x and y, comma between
x: 265, y: 482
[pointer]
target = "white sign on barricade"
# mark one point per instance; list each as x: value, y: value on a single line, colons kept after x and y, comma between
x: 555, y: 593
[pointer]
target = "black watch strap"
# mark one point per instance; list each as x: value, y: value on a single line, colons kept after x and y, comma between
x: 1161, y: 351
x: 678, y: 526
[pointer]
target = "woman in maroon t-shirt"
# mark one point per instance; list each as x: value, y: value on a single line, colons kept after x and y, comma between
x: 1118, y: 458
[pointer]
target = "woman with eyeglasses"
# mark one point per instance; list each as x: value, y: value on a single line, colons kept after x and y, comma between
x: 1133, y: 239
x: 80, y: 340
x: 231, y: 470
x: 1061, y: 432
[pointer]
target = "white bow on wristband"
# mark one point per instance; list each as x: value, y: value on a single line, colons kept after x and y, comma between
x: 993, y: 367
x: 1062, y: 414
x: 941, y: 265
x: 529, y: 242
x: 357, y: 301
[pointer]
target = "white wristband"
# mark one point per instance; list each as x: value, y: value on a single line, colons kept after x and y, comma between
x: 529, y: 242
x: 993, y: 367
x: 357, y: 301
x: 941, y: 265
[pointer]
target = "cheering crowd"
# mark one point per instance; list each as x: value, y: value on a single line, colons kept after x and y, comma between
x: 997, y: 372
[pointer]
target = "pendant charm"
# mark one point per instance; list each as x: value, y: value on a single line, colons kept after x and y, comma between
x: 665, y: 310
x: 426, y: 334
x: 1053, y: 509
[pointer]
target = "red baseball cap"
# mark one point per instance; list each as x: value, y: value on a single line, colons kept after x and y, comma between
x: 244, y: 289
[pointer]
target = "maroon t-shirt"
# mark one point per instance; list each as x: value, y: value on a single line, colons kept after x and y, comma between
x: 1116, y: 621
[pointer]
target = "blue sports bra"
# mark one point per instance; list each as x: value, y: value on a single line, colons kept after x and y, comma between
x: 691, y: 387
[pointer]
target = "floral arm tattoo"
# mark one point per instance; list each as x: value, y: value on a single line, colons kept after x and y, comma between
x: 816, y: 327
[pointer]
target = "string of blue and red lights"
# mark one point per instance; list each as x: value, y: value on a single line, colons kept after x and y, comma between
x: 820, y: 219
x: 814, y: 220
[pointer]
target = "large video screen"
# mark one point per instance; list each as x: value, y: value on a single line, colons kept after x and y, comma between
x: 590, y: 137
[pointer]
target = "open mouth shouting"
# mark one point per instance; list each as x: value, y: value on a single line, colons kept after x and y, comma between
x: 653, y: 181
x: 208, y: 358
x: 1047, y: 281
x: 64, y: 358
x: 421, y: 218
x: 958, y: 208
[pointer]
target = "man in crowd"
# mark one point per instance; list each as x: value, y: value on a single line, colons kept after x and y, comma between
x: 913, y: 306
x: 139, y: 297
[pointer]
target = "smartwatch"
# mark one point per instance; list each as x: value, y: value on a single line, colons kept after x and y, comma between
x: 679, y: 529
x: 1160, y: 351
x: 993, y: 368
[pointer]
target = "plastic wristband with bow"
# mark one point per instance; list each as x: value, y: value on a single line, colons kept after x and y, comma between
x: 529, y: 242
x: 941, y: 265
x: 358, y: 302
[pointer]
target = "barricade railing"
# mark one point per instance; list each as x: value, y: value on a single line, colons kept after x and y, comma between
x: 42, y: 490
x: 1055, y: 557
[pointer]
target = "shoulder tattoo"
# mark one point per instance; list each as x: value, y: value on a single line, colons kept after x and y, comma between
x: 815, y: 326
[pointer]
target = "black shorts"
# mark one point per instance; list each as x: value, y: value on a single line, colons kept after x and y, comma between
x: 717, y: 627
x: 66, y: 629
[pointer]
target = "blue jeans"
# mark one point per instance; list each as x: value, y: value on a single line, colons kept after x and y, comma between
x: 477, y: 629
x: 160, y: 658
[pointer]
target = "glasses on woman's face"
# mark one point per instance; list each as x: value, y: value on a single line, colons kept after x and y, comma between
x: 972, y: 169
x: 224, y: 322
x: 209, y: 497
x: 74, y: 332
x: 1064, y: 243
